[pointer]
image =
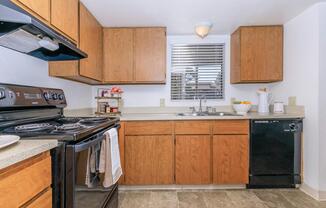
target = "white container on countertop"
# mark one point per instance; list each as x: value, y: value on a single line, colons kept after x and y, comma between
x: 241, y: 109
x: 263, y: 101
x: 278, y: 107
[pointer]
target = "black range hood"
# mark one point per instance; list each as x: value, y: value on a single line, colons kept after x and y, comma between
x: 22, y: 32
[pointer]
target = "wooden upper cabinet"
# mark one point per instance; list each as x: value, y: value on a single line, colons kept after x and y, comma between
x: 88, y: 70
x: 91, y: 42
x: 257, y: 54
x: 134, y: 55
x: 150, y: 55
x: 64, y: 16
x: 118, y: 55
x: 39, y: 7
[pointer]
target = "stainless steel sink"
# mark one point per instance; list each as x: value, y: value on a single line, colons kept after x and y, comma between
x: 208, y: 114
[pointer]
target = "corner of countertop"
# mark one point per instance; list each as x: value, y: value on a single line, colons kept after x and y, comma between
x: 23, y: 150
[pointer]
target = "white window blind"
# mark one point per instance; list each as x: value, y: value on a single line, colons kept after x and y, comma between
x: 197, y: 70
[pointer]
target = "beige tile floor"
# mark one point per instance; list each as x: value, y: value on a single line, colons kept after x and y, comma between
x: 272, y: 198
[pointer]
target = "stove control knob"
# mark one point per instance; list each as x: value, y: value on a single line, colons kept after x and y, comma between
x: 2, y: 94
x: 54, y: 96
x: 61, y: 97
x: 46, y: 95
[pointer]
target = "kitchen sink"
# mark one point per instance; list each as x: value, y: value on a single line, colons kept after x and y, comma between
x: 208, y: 114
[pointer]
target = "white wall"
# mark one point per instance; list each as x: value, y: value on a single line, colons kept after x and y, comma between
x: 150, y: 95
x: 17, y: 68
x: 301, y: 69
x: 322, y: 96
x: 304, y: 79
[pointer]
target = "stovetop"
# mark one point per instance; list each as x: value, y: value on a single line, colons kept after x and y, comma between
x: 63, y: 128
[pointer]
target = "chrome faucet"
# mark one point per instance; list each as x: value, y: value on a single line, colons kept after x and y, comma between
x: 200, y: 103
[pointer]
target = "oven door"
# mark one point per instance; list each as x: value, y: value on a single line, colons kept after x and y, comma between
x: 77, y: 193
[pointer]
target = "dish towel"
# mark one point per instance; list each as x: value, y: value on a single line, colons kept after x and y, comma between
x: 110, y: 163
x: 90, y: 167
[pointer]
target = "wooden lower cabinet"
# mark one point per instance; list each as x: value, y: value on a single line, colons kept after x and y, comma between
x: 148, y: 160
x: 185, y: 152
x: 230, y: 159
x: 193, y: 159
x: 25, y: 183
x: 122, y: 150
x: 43, y: 201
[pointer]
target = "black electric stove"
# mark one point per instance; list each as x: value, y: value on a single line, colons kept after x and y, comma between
x: 37, y: 113
x: 61, y: 128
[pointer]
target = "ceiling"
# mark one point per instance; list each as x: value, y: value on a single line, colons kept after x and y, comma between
x: 180, y: 16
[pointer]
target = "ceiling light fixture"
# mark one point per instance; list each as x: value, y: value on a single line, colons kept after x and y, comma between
x: 202, y: 29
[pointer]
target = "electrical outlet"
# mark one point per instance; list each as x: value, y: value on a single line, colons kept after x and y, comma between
x: 162, y: 102
x: 292, y: 101
x: 232, y: 100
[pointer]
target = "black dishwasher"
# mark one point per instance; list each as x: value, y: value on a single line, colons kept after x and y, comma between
x: 275, y: 153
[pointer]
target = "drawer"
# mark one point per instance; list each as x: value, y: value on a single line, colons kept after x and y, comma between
x: 43, y: 201
x: 192, y: 127
x: 149, y: 128
x: 20, y: 183
x: 231, y: 127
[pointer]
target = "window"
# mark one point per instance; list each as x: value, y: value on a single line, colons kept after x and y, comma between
x: 197, y: 70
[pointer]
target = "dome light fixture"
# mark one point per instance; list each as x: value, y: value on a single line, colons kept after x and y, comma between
x: 202, y: 29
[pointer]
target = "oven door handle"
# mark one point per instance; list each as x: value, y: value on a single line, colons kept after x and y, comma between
x: 98, y: 138
x: 85, y: 145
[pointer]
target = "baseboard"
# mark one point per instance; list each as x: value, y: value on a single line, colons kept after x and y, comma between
x: 179, y: 187
x: 316, y: 194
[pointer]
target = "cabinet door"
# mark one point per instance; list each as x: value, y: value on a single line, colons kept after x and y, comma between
x: 33, y: 176
x: 150, y: 55
x: 193, y: 159
x: 262, y: 53
x: 90, y: 41
x: 118, y: 55
x: 235, y: 57
x: 64, y: 16
x: 148, y: 160
x: 39, y: 7
x: 230, y: 159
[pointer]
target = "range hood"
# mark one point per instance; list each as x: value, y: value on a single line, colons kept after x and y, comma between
x: 22, y: 32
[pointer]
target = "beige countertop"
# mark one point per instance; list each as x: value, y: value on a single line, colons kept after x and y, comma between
x: 160, y: 116
x: 23, y: 150
x: 170, y: 113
